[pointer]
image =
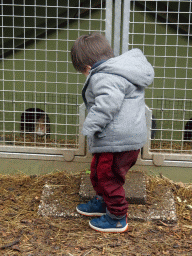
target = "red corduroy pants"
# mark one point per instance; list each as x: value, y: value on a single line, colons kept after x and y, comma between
x: 108, y: 172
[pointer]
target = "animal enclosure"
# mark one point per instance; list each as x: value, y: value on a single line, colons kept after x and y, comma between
x: 36, y: 72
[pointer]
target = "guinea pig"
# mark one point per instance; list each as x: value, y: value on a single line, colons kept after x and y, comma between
x: 188, y: 130
x: 153, y: 127
x: 36, y: 121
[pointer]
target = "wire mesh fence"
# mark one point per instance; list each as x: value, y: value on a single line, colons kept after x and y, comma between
x: 162, y: 30
x: 40, y: 90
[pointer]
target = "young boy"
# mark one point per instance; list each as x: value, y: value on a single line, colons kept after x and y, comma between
x: 115, y: 124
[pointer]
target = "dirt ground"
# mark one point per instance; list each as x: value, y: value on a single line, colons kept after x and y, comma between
x: 24, y: 232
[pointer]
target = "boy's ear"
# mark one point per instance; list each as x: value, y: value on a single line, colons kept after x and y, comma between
x: 86, y: 73
x: 88, y: 68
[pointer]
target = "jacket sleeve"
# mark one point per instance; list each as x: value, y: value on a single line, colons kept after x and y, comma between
x: 108, y: 92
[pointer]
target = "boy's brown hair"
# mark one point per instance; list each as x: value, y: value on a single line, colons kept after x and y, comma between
x: 89, y: 49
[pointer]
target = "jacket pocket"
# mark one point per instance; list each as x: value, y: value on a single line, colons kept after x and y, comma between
x: 100, y: 134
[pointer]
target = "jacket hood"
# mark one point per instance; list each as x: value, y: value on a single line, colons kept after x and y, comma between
x: 131, y: 65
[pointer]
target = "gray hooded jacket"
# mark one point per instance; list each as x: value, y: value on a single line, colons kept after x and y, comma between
x: 114, y: 97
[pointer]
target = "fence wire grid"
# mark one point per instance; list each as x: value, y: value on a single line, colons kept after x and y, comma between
x: 162, y: 30
x: 37, y: 78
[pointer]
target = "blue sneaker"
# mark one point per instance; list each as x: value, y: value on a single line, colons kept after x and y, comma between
x: 94, y: 207
x: 107, y: 224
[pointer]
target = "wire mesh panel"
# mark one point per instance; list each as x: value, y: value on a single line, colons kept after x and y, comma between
x: 162, y: 30
x: 40, y: 91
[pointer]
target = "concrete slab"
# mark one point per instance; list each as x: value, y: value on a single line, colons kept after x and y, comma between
x: 135, y: 188
x: 159, y: 208
x: 51, y: 206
